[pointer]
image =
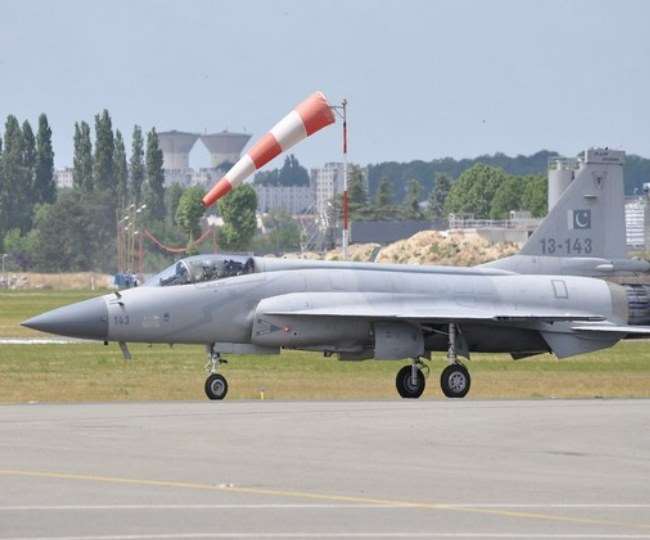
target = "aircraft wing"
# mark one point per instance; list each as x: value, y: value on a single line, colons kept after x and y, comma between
x: 412, y: 307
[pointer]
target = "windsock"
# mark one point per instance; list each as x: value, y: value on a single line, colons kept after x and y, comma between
x: 306, y: 118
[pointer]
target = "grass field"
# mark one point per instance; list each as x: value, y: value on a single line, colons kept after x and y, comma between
x: 93, y: 372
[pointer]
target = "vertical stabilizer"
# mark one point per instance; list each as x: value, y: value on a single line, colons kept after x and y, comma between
x: 588, y: 218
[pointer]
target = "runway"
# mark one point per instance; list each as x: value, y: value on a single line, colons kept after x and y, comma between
x: 394, y: 469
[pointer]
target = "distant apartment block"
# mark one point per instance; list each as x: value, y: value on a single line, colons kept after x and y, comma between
x: 326, y: 182
x: 292, y: 199
x: 63, y: 177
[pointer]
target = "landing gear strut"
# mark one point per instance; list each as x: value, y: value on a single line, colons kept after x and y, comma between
x: 455, y: 380
x: 216, y: 386
x: 410, y: 380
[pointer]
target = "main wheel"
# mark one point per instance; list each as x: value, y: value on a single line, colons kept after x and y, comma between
x: 216, y: 386
x: 406, y: 387
x: 455, y: 381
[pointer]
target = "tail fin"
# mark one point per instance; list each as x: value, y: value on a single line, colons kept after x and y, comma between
x: 588, y: 219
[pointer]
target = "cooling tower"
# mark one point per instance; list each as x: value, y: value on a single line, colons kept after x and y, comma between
x: 176, y: 147
x: 225, y: 146
x: 561, y: 172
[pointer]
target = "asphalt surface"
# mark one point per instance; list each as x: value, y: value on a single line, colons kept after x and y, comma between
x: 398, y: 469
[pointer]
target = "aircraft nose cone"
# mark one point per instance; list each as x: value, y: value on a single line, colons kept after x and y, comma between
x: 87, y: 319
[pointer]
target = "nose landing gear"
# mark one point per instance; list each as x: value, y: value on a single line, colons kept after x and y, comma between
x: 216, y: 385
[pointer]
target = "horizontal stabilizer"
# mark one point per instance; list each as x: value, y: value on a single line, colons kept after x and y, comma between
x: 616, y: 329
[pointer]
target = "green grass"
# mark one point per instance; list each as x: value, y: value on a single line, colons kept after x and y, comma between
x: 93, y: 372
x: 16, y: 306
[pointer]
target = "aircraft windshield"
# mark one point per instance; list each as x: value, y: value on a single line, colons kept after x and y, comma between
x: 201, y: 268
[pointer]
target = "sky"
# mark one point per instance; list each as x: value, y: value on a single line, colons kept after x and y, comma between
x: 424, y: 79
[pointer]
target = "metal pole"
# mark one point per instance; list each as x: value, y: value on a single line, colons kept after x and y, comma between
x: 346, y: 209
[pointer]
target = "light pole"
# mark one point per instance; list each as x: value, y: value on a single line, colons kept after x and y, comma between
x: 128, y: 231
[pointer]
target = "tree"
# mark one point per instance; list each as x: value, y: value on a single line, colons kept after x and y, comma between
x: 3, y: 198
x: 356, y: 187
x: 292, y: 173
x: 82, y: 163
x: 154, y: 188
x: 76, y: 233
x: 44, y: 183
x: 121, y: 171
x: 384, y: 195
x: 137, y: 165
x: 507, y: 197
x: 173, y: 195
x: 21, y: 247
x: 29, y: 155
x: 438, y: 196
x: 472, y: 193
x: 16, y: 206
x: 189, y: 212
x: 283, y: 234
x: 238, y: 213
x: 104, y: 148
x: 534, y: 196
x: 411, y: 203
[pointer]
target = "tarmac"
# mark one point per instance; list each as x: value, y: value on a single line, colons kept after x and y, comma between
x: 264, y: 469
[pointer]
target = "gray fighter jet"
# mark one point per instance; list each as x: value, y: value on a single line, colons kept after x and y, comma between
x: 255, y: 305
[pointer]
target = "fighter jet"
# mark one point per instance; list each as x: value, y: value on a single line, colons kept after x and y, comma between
x: 524, y: 305
x: 249, y: 305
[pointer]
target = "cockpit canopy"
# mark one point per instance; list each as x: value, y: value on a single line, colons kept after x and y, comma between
x: 201, y: 268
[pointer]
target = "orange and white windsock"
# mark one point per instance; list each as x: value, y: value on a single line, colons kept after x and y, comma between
x: 308, y: 117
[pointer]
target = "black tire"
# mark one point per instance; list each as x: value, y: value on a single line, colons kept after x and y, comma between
x: 405, y: 386
x: 455, y: 381
x: 216, y: 386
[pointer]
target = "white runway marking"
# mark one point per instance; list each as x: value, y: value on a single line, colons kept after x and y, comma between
x: 171, y: 536
x: 40, y: 341
x: 289, y: 506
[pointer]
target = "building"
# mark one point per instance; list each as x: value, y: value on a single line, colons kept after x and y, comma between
x: 63, y: 178
x: 326, y: 182
x: 291, y: 199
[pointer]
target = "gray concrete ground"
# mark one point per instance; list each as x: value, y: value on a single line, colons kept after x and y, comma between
x: 467, y: 469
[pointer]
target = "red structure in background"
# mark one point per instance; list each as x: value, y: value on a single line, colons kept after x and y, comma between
x: 180, y: 249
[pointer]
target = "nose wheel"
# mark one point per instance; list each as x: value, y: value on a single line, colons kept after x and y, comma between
x: 216, y: 385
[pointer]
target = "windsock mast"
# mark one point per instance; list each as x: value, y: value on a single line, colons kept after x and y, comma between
x: 308, y: 117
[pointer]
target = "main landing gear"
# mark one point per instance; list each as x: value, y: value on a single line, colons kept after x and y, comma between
x: 455, y: 380
x: 216, y: 385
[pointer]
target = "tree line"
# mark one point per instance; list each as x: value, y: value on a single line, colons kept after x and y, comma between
x: 47, y: 229
x: 483, y: 191
x: 636, y: 170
